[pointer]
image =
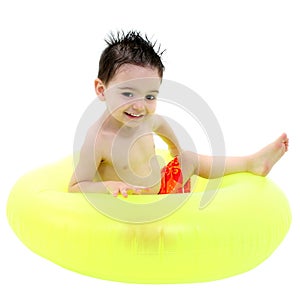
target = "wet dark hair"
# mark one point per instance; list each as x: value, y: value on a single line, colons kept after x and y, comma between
x: 128, y: 48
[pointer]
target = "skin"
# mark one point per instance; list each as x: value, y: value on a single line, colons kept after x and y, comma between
x: 119, y: 149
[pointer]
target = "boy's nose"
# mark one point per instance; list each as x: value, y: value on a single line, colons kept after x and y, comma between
x: 139, y: 104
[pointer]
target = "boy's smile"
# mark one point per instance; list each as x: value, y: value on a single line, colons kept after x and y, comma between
x: 133, y: 115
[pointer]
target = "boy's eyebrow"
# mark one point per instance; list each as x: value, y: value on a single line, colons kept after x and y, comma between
x: 135, y: 90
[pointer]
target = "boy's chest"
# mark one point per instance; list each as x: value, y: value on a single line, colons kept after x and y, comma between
x: 135, y: 151
x: 136, y: 155
x: 131, y: 162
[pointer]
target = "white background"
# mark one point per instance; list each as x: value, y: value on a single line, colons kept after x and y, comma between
x: 242, y: 57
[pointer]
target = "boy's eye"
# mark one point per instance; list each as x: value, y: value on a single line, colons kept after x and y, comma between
x: 127, y: 94
x: 150, y: 97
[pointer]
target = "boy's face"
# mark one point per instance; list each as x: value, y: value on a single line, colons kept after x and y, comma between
x: 131, y: 95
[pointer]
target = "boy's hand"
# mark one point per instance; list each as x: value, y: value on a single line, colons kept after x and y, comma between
x: 118, y: 187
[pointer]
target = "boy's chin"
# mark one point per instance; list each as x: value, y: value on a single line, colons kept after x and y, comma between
x: 132, y: 124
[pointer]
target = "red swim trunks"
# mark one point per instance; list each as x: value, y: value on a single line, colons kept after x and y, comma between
x: 171, y: 179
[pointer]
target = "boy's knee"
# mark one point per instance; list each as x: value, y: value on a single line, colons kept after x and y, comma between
x: 189, y: 162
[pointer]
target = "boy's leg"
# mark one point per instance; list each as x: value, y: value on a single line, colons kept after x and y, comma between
x: 259, y: 163
x: 214, y: 167
x: 211, y: 166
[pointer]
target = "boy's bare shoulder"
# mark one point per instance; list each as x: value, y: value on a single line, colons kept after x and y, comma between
x: 158, y: 121
x: 155, y: 119
x: 96, y: 136
x: 94, y: 130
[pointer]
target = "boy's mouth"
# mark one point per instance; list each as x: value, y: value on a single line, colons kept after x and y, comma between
x: 133, y: 115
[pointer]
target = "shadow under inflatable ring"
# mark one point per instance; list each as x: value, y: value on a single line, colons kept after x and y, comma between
x: 238, y: 230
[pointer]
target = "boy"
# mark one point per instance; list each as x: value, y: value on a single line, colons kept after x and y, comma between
x: 118, y: 155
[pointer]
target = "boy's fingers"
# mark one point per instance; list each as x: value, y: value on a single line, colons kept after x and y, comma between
x: 137, y: 191
x: 124, y: 192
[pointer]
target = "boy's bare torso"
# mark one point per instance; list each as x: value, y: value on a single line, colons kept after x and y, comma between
x: 128, y: 155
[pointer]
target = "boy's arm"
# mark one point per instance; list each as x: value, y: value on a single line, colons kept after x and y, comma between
x: 85, y: 171
x: 90, y: 158
x: 165, y: 132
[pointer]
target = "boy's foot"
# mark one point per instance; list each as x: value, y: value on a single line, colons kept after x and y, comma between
x: 262, y: 162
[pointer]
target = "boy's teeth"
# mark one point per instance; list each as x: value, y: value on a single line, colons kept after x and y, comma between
x: 134, y: 115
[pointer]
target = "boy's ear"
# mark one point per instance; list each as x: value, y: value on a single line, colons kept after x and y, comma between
x: 99, y: 89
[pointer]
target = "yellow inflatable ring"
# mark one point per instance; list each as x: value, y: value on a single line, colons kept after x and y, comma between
x: 239, y: 229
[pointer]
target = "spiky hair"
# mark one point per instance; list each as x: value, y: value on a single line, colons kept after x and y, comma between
x: 129, y: 48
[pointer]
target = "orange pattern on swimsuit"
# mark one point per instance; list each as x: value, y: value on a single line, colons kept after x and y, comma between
x: 171, y: 179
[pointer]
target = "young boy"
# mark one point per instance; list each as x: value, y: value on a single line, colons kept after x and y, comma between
x: 118, y: 155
